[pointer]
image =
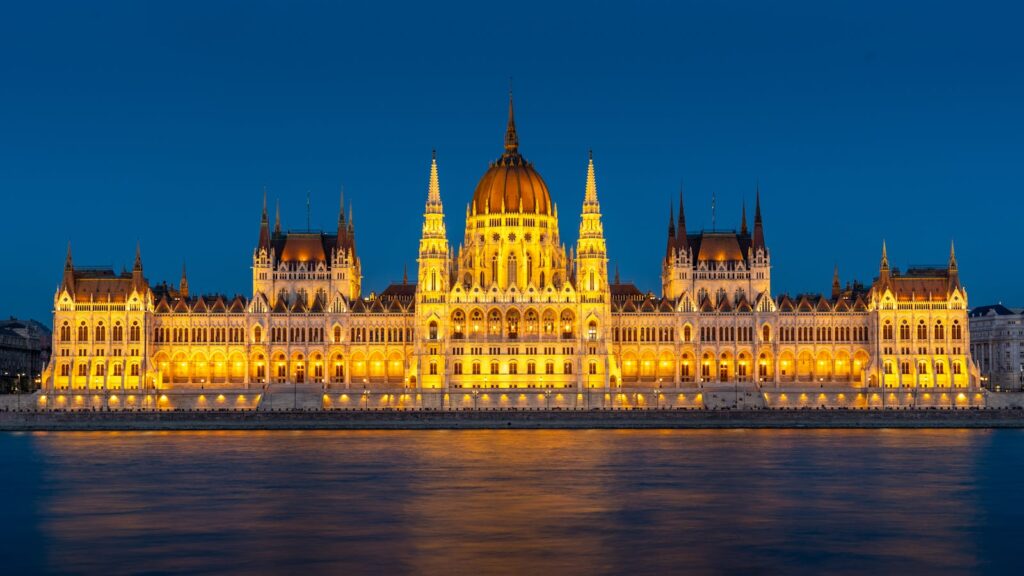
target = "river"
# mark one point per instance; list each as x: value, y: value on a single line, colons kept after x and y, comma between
x: 514, y: 502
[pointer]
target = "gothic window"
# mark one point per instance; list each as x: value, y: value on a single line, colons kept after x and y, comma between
x: 83, y: 370
x: 134, y: 332
x: 476, y: 368
x: 922, y: 368
x: 567, y: 367
x: 904, y: 367
x: 457, y: 368
x: 567, y: 323
x: 494, y: 322
x: 939, y: 369
x: 904, y: 331
x: 940, y: 331
x: 433, y: 280
x: 433, y: 330
x: 494, y: 268
x: 513, y: 367
x: 542, y: 278
x: 101, y: 332
x: 956, y: 368
x: 481, y: 278
x: 686, y: 333
x: 592, y: 368
x: 433, y: 368
x: 494, y: 366
x: 477, y: 318
x: 922, y: 331
x: 955, y: 331
x: 65, y: 333
x: 549, y: 368
x: 118, y: 369
x: 512, y: 323
x: 65, y: 369
x: 766, y: 333
x: 592, y: 330
x: 337, y: 334
x: 101, y: 370
x: 133, y: 370
x: 592, y: 280
x: 257, y: 334
x: 118, y: 332
x: 512, y: 270
x: 458, y: 322
x: 887, y: 331
x: 531, y: 367
x: 888, y: 367
x: 529, y: 267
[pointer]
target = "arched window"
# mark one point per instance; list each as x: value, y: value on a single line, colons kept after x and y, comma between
x: 904, y: 331
x: 541, y: 278
x: 433, y: 330
x: 766, y: 333
x: 940, y: 331
x: 257, y: 334
x: 549, y: 368
x: 458, y: 323
x: 686, y: 333
x: 65, y: 369
x: 134, y: 333
x: 433, y: 280
x: 65, y: 333
x: 512, y: 323
x: 592, y: 368
x: 494, y: 367
x: 567, y: 323
x: 337, y: 334
x: 433, y: 368
x: 133, y: 370
x: 101, y: 370
x: 887, y: 331
x: 531, y: 367
x: 118, y: 369
x: 101, y: 332
x: 567, y: 367
x: 494, y: 269
x: 922, y: 331
x: 476, y: 317
x: 118, y: 332
x: 476, y: 367
x: 494, y: 322
x: 955, y: 332
x: 512, y: 270
x: 888, y: 367
x: 457, y: 368
x: 513, y: 367
x: 592, y: 280
x: 592, y: 330
x: 529, y: 268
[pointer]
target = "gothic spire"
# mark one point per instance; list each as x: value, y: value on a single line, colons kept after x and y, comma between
x: 682, y: 242
x: 743, y: 219
x: 264, y: 243
x: 68, y: 264
x: 590, y: 204
x: 511, y: 139
x: 277, y: 217
x: 758, y: 225
x: 952, y: 256
x: 183, y: 288
x: 835, y: 282
x: 68, y: 282
x: 138, y: 257
x: 434, y: 205
x: 954, y: 272
x: 341, y: 206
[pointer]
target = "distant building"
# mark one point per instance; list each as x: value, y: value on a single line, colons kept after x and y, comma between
x: 24, y: 352
x: 997, y: 344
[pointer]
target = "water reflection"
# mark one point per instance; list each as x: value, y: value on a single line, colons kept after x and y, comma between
x: 511, y: 502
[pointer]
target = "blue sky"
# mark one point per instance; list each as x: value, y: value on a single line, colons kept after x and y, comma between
x: 125, y: 122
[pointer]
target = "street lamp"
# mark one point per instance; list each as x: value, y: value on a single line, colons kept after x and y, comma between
x: 476, y: 393
x: 366, y: 396
x: 547, y: 396
x: 657, y: 396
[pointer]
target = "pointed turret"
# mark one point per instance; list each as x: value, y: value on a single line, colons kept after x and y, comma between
x: 183, y: 288
x: 743, y: 219
x: 138, y: 282
x: 343, y: 239
x: 883, y: 268
x: 277, y: 218
x: 590, y: 203
x: 68, y: 282
x: 954, y: 271
x: 264, y: 242
x: 590, y: 262
x: 673, y: 241
x: 682, y: 242
x: 836, y: 288
x: 758, y: 240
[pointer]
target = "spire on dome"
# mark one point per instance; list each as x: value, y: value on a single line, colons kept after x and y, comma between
x: 885, y: 258
x: 511, y: 138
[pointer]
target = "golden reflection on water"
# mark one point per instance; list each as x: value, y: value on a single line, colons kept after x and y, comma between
x: 514, y: 502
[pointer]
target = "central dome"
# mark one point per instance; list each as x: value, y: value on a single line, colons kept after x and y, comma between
x: 511, y: 184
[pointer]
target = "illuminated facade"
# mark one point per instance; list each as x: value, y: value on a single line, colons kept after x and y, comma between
x: 511, y: 309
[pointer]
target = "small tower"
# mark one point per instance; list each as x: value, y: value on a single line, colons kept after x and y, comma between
x: 953, y: 270
x: 68, y: 282
x: 591, y: 249
x: 183, y: 287
x: 138, y: 281
x: 346, y: 269
x: 432, y: 287
x: 263, y: 256
x: 836, y: 288
x: 678, y: 265
x: 759, y: 258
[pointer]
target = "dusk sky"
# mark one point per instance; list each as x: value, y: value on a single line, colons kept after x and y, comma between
x: 862, y: 121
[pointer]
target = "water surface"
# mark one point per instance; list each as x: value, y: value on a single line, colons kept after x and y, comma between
x: 514, y: 502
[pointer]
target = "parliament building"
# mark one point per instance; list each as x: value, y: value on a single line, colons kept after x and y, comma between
x: 512, y: 317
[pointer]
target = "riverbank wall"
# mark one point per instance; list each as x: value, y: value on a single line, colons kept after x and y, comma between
x: 387, y: 419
